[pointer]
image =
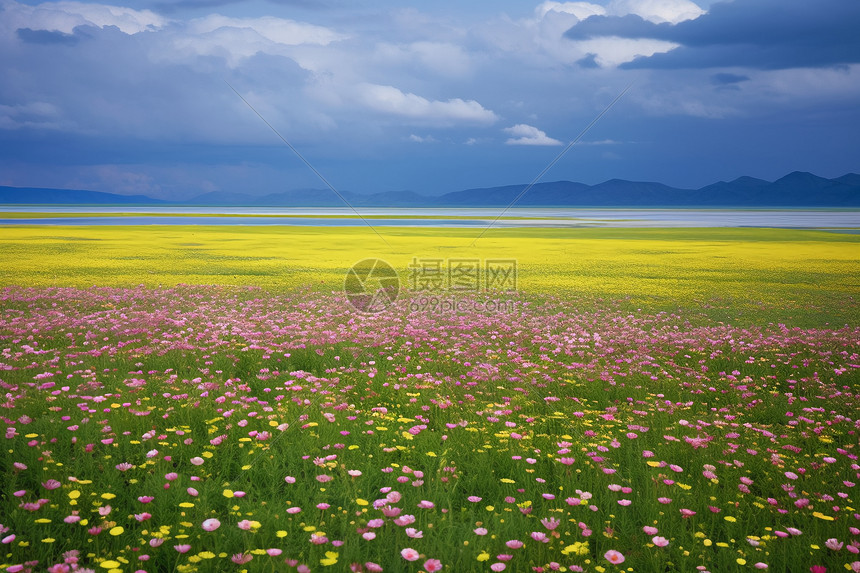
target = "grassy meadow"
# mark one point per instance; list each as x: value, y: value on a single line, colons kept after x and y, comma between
x: 204, y: 398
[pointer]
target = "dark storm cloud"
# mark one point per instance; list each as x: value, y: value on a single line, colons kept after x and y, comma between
x: 589, y: 62
x: 45, y: 37
x: 766, y: 34
x: 724, y: 79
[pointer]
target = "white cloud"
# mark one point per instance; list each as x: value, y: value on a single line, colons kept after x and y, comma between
x: 441, y: 58
x: 37, y: 114
x: 612, y: 51
x: 419, y: 139
x: 237, y: 39
x: 581, y: 10
x: 523, y: 134
x: 389, y: 99
x: 657, y: 11
x: 600, y: 142
x: 66, y: 16
x: 540, y: 40
x: 277, y: 30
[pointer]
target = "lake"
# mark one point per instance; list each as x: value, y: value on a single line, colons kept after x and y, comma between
x: 843, y: 219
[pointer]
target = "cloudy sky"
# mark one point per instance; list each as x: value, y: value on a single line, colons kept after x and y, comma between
x: 385, y: 95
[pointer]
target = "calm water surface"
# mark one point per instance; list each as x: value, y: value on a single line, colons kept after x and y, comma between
x: 536, y: 217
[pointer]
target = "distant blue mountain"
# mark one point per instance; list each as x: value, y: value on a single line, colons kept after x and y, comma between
x: 41, y: 196
x: 798, y: 189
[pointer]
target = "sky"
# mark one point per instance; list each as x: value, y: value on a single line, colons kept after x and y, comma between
x: 135, y: 97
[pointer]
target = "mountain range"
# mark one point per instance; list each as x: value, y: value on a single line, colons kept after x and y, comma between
x: 797, y: 189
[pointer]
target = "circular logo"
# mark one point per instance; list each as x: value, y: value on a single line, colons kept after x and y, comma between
x: 371, y: 285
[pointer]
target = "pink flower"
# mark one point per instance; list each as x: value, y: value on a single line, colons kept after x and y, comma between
x: 818, y: 569
x: 423, y: 504
x: 614, y: 556
x: 241, y: 558
x: 540, y: 536
x: 369, y: 535
x: 833, y: 544
x: 373, y: 567
x: 324, y: 478
x: 185, y: 548
x: 410, y: 554
x: 51, y: 484
x: 650, y: 530
x: 514, y: 544
x: 659, y: 541
x: 474, y: 498
x: 498, y: 566
x: 171, y: 476
x: 480, y: 531
x: 432, y: 565
x: 197, y: 461
x: 664, y: 500
x: 389, y: 511
x: 211, y: 524
x: 685, y: 513
x: 624, y: 502
x: 274, y: 552
x: 760, y: 565
x: 145, y: 498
